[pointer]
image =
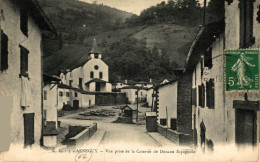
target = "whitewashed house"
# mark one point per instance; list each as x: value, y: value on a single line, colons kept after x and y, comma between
x: 145, y: 84
x: 132, y: 91
x: 167, y: 105
x: 22, y: 23
x: 222, y: 117
x: 149, y: 99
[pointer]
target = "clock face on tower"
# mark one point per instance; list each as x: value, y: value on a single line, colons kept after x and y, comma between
x: 96, y: 67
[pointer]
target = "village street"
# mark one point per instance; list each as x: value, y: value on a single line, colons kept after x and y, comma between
x: 115, y: 133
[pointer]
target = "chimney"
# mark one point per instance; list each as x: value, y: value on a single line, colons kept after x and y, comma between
x: 151, y: 80
x: 126, y: 81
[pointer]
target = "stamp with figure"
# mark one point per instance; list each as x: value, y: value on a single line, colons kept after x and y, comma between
x: 242, y: 69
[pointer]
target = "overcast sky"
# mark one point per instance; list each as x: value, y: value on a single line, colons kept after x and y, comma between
x: 134, y: 6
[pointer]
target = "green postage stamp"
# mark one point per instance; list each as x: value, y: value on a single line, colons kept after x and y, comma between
x: 242, y: 70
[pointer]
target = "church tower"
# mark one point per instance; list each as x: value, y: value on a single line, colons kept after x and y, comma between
x: 95, y: 52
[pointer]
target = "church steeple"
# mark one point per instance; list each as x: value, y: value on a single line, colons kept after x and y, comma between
x: 95, y: 52
x: 95, y: 49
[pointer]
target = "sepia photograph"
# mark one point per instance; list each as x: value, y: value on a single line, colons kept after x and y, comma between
x: 129, y: 80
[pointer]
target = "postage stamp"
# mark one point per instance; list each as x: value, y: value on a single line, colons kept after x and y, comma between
x: 242, y: 69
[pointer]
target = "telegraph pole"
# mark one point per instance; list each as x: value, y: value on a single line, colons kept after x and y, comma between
x: 204, y: 13
x: 137, y: 105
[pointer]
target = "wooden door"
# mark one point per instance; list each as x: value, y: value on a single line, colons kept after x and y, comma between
x: 245, y: 127
x: 28, y: 129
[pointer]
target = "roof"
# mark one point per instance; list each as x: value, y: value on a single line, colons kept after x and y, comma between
x: 48, y: 78
x: 134, y: 87
x: 144, y: 83
x: 205, y: 37
x: 96, y: 80
x: 162, y: 85
x: 94, y: 48
x: 126, y: 107
x: 64, y: 86
x: 33, y: 8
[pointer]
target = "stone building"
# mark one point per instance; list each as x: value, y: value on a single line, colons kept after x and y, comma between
x: 22, y: 24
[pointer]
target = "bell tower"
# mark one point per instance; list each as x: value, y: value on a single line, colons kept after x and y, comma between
x: 95, y: 52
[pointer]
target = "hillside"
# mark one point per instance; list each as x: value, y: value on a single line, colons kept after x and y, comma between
x: 132, y: 51
x: 75, y: 20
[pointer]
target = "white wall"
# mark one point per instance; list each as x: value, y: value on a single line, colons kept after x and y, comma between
x: 168, y: 98
x: 9, y: 79
x: 149, y: 97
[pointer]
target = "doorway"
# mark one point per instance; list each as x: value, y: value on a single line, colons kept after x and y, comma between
x: 75, y: 104
x: 245, y: 127
x: 28, y: 129
x: 97, y: 86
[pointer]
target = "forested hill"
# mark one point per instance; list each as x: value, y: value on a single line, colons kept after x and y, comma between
x: 134, y: 47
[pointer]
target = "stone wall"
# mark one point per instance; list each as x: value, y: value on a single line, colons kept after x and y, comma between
x: 110, y: 98
x: 184, y: 108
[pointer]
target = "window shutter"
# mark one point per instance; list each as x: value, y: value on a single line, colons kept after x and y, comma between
x: 203, y: 95
x: 200, y: 96
x: 4, y: 51
x: 212, y: 94
x: 24, y: 61
x: 208, y: 94
x: 194, y: 97
x: 208, y: 59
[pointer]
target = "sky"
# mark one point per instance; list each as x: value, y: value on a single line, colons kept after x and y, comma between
x: 134, y: 6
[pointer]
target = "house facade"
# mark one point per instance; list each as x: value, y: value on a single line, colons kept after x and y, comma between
x: 74, y: 97
x: 132, y: 91
x: 21, y: 74
x: 220, y: 115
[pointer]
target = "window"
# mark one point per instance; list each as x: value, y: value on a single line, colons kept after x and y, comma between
x: 91, y: 74
x: 70, y: 82
x: 173, y: 124
x: 24, y: 21
x: 194, y: 96
x: 4, y: 51
x: 76, y: 94
x: 163, y: 121
x: 100, y: 75
x: 24, y: 61
x: 45, y: 95
x: 80, y: 83
x: 201, y: 67
x: 67, y: 94
x: 246, y: 23
x: 96, y: 55
x: 96, y: 67
x: 60, y: 94
x: 210, y: 93
x: 208, y: 59
x: 202, y: 96
x: 89, y: 102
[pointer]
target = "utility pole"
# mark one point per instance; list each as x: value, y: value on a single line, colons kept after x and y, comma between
x: 137, y: 105
x: 204, y: 13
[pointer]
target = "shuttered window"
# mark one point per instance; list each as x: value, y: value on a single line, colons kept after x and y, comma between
x: 80, y: 83
x: 100, y: 75
x: 202, y: 96
x: 246, y: 23
x: 210, y: 90
x: 24, y: 21
x: 23, y: 61
x: 4, y: 51
x: 208, y: 59
x: 91, y: 74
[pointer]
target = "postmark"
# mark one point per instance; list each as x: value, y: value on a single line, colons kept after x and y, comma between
x: 242, y: 70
